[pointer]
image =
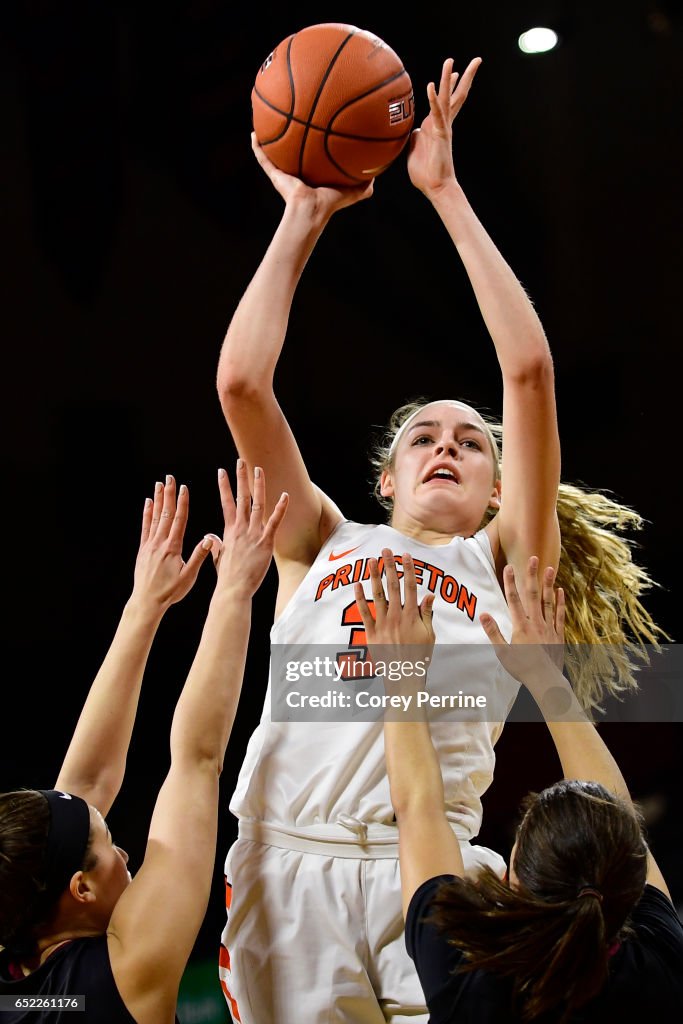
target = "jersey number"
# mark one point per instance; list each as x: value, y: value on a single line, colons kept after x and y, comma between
x: 357, y: 653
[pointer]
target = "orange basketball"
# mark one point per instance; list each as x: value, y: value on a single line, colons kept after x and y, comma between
x: 332, y: 104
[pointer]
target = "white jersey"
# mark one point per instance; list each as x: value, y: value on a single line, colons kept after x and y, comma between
x: 303, y: 774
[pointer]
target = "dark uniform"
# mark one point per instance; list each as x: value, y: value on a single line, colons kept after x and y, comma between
x: 645, y: 973
x: 79, y: 967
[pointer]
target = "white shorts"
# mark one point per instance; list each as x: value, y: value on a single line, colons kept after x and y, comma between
x: 317, y: 937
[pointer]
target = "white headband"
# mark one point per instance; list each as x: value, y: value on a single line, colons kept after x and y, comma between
x: 404, y: 426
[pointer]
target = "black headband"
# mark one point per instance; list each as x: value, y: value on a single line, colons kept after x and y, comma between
x: 67, y: 838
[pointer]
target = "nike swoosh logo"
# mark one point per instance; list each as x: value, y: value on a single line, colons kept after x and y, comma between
x: 333, y: 558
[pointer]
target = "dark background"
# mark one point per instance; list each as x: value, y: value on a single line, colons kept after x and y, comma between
x: 134, y: 215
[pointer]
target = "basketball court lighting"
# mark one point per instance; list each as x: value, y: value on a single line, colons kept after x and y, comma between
x: 537, y: 40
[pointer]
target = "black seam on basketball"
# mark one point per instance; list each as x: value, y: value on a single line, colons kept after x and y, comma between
x: 331, y: 133
x: 291, y: 77
x: 362, y: 95
x: 276, y: 110
x: 364, y: 138
x: 289, y: 115
x: 328, y: 70
x: 319, y: 128
x: 342, y: 170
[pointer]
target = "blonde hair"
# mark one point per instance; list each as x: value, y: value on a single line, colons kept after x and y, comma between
x: 607, y: 629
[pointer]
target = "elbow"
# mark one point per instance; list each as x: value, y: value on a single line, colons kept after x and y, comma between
x: 237, y: 390
x: 198, y: 764
x: 535, y: 371
x: 400, y: 799
x: 416, y: 801
x: 232, y: 381
x: 401, y: 790
x: 403, y: 812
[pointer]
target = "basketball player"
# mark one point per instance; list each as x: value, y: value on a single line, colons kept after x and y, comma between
x: 585, y: 929
x: 314, y: 930
x: 72, y: 921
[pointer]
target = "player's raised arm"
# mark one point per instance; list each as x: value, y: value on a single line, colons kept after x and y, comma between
x: 251, y: 351
x: 527, y: 521
x: 402, y: 631
x: 155, y: 923
x: 537, y: 613
x: 96, y: 759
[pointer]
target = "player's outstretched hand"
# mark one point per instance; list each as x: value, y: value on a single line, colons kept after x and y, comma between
x: 323, y: 200
x: 247, y: 543
x: 391, y: 623
x: 537, y: 615
x: 430, y: 154
x: 161, y: 577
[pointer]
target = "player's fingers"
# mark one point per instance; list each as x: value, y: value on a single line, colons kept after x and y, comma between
x: 227, y: 499
x: 259, y: 502
x: 490, y: 627
x: 179, y: 521
x: 531, y: 587
x: 393, y: 585
x: 145, y: 527
x: 517, y: 612
x: 378, y: 594
x: 466, y: 79
x: 243, y: 502
x: 548, y: 595
x: 446, y: 79
x: 276, y: 517
x: 157, y: 506
x: 409, y: 582
x: 364, y: 609
x: 468, y: 76
x: 257, y: 151
x: 213, y: 543
x: 559, y: 613
x: 168, y: 507
x: 435, y: 111
x: 190, y: 570
x: 427, y: 610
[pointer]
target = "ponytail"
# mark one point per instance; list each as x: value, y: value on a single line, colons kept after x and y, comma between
x: 555, y: 954
x: 580, y: 864
x: 607, y: 627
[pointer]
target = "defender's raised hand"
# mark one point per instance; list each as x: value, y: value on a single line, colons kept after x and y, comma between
x: 161, y: 576
x: 247, y: 543
x: 395, y: 623
x: 537, y: 624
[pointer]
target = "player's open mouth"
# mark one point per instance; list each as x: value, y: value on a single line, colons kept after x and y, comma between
x: 442, y: 473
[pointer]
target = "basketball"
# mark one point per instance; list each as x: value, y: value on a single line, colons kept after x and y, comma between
x: 333, y: 105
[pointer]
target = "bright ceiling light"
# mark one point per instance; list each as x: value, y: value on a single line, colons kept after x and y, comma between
x: 537, y: 40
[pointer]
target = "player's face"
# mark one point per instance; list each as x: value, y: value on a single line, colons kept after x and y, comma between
x: 443, y: 476
x: 109, y: 877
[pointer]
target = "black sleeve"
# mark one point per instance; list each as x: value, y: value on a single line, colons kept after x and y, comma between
x: 658, y: 925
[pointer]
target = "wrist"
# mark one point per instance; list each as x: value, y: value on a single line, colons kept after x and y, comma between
x: 553, y: 694
x: 143, y: 612
x: 448, y: 195
x: 304, y: 212
x: 232, y: 592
